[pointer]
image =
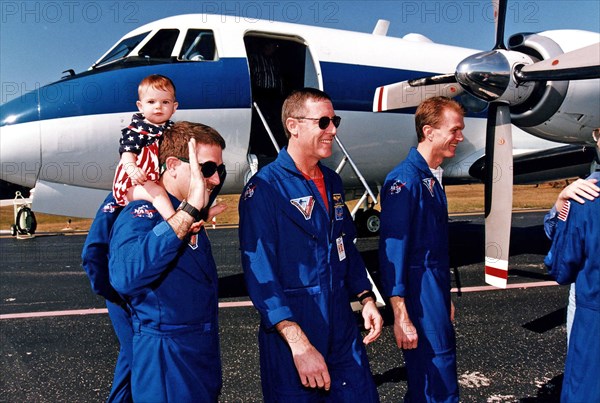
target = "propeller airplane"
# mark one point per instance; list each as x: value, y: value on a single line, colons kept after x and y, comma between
x: 518, y: 82
x: 62, y: 138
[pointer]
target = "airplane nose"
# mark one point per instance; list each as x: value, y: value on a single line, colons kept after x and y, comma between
x: 20, y: 149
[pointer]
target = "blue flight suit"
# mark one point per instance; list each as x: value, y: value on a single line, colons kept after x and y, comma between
x: 95, y: 262
x: 300, y: 264
x: 414, y: 263
x: 550, y: 220
x: 171, y: 286
x: 574, y: 257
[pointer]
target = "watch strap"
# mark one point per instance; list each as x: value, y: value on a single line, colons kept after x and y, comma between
x: 191, y: 210
x: 364, y: 296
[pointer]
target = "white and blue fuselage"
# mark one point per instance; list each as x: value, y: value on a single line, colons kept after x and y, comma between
x: 66, y: 133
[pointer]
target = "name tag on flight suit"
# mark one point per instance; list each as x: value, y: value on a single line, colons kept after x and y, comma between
x: 340, y: 248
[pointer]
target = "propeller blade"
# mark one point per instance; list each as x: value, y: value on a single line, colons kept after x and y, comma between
x: 441, y: 79
x: 498, y: 194
x: 500, y: 21
x: 409, y: 94
x: 580, y: 64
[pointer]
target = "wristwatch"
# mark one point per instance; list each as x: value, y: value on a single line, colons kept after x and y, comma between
x: 364, y: 296
x: 191, y: 210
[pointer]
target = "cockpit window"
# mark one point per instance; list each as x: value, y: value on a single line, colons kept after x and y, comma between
x: 198, y: 45
x: 161, y: 45
x: 122, y: 49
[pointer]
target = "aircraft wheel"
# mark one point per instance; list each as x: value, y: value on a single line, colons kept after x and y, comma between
x: 13, y: 230
x: 25, y: 222
x: 368, y: 222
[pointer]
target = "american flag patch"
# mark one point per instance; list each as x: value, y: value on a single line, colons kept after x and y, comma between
x: 564, y: 211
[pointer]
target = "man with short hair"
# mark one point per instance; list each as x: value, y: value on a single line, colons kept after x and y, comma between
x: 414, y: 255
x: 166, y: 272
x: 302, y: 267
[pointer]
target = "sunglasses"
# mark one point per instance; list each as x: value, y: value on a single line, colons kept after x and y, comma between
x: 208, y: 168
x: 324, y: 121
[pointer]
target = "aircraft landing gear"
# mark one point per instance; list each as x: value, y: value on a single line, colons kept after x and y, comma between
x: 367, y: 222
x: 25, y: 222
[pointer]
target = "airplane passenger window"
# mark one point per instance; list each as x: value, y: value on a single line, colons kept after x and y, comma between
x: 122, y: 49
x: 198, y: 45
x: 161, y: 45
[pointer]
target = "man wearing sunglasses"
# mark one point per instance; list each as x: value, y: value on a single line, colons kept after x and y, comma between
x: 94, y: 256
x: 302, y: 267
x: 166, y: 273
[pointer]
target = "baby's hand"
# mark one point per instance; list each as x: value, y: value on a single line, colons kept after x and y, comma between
x: 196, y: 227
x: 216, y: 209
x: 138, y: 177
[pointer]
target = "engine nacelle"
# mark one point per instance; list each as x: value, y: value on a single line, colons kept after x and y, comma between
x: 551, y: 111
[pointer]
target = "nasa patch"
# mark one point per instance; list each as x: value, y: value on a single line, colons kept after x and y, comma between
x: 144, y: 211
x: 249, y: 192
x: 110, y: 207
x: 396, y: 187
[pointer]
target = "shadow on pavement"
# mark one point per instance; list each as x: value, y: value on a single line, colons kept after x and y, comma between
x: 393, y: 375
x: 548, y: 392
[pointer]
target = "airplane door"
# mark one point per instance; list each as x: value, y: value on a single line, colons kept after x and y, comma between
x: 278, y: 65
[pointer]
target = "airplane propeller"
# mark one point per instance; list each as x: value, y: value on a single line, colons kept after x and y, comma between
x: 504, y: 78
x: 580, y: 64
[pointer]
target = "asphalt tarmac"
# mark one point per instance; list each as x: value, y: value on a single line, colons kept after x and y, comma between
x: 57, y: 343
